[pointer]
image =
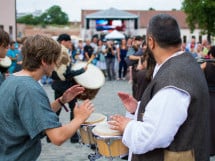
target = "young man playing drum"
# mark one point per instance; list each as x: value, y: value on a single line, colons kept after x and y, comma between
x: 25, y: 111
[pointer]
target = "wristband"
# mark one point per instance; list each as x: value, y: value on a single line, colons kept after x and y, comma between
x: 62, y: 104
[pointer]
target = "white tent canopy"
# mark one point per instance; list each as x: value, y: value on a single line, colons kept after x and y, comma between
x: 115, y: 35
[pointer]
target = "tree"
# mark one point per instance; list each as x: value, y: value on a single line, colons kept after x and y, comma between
x: 28, y: 19
x: 54, y: 15
x: 201, y: 14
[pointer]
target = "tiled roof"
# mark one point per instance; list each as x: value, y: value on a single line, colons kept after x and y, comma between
x: 111, y: 13
x: 144, y: 17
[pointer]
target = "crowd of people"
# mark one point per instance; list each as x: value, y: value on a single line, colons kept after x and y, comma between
x: 169, y: 115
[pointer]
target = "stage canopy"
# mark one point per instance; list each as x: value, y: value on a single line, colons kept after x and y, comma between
x: 114, y: 35
x: 112, y: 13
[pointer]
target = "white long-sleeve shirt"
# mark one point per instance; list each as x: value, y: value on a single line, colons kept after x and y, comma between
x: 163, y: 116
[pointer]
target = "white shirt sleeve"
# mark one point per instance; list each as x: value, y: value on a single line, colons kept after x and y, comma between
x: 163, y: 116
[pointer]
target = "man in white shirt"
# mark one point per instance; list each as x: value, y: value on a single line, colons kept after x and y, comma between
x: 171, y: 121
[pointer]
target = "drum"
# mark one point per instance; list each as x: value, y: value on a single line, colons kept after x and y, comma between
x: 92, y: 80
x: 5, y: 63
x: 108, y: 141
x: 86, y: 128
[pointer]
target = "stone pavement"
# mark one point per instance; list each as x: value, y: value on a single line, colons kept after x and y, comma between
x: 106, y: 102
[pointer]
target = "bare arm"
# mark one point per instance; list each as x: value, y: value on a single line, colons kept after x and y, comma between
x: 61, y: 134
x: 68, y: 95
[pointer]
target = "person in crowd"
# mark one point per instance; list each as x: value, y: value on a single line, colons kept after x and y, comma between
x: 20, y: 57
x: 192, y: 45
x: 209, y: 70
x: 80, y: 51
x: 88, y: 50
x: 27, y: 114
x: 110, y: 53
x: 73, y: 52
x: 121, y: 55
x: 13, y: 54
x: 63, y: 77
x: 133, y: 60
x: 4, y: 44
x: 144, y: 73
x: 101, y: 57
x: 171, y: 122
x: 130, y: 51
x: 94, y: 45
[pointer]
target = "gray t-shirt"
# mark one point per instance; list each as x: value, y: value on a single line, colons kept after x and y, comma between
x: 25, y: 113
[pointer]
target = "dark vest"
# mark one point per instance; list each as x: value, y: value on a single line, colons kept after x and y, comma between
x: 183, y: 72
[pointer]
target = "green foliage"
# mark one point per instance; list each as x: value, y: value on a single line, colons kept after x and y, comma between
x: 54, y: 16
x: 28, y: 19
x: 201, y: 14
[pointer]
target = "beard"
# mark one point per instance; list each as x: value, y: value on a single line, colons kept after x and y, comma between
x: 151, y: 58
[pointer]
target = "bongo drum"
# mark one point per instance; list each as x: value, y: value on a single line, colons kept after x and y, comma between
x: 86, y: 128
x: 92, y: 80
x: 109, y: 142
x: 5, y: 63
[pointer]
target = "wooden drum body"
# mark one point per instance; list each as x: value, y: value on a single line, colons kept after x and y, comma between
x: 109, y: 142
x: 86, y: 128
x: 92, y: 80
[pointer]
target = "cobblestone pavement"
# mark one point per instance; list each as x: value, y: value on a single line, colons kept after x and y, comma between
x: 106, y: 102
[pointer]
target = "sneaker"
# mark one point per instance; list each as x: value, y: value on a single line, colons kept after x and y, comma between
x: 123, y: 78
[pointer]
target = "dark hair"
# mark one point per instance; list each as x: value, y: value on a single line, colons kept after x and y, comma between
x: 138, y: 38
x: 63, y: 37
x: 4, y: 38
x: 38, y: 48
x: 12, y: 43
x: 212, y: 51
x: 148, y: 56
x: 165, y: 30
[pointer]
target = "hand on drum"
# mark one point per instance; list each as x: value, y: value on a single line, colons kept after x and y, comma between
x: 71, y: 93
x: 84, y: 110
x: 118, y: 122
x: 128, y: 101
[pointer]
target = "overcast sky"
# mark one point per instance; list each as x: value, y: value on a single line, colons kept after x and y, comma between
x: 73, y: 7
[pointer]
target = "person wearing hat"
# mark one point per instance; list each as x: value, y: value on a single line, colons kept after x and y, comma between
x: 63, y: 77
x: 4, y: 62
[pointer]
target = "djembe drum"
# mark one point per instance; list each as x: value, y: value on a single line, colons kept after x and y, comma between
x: 86, y: 128
x: 108, y: 141
x: 92, y: 80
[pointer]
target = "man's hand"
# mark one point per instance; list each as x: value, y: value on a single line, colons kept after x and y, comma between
x: 118, y: 122
x: 128, y: 101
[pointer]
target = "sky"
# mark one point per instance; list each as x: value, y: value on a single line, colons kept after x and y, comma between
x: 73, y: 7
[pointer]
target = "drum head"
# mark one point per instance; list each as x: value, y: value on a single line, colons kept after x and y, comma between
x: 104, y: 130
x: 95, y: 118
x: 92, y: 78
x: 5, y: 62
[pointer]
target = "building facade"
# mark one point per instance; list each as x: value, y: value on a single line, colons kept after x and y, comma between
x: 139, y: 28
x: 8, y: 17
